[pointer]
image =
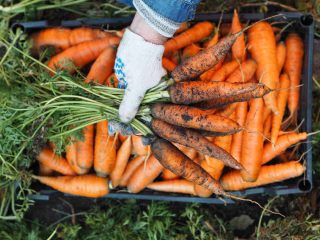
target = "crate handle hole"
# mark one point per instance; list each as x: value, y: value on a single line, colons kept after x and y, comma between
x: 306, y: 20
x: 305, y: 185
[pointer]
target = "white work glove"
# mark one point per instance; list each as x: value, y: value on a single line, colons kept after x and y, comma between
x: 138, y: 67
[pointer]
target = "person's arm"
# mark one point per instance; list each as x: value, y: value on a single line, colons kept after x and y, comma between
x: 138, y: 64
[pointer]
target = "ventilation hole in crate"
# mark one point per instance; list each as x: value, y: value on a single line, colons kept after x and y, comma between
x: 304, y: 185
x: 306, y: 20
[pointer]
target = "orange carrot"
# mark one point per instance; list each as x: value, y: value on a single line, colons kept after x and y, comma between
x: 212, y: 41
x: 194, y: 34
x: 84, y: 34
x: 173, y: 186
x: 241, y: 115
x: 44, y: 170
x: 144, y: 175
x: 71, y: 156
x: 233, y: 181
x: 103, y: 66
x: 189, y: 152
x: 282, y: 102
x: 244, y: 73
x: 283, y: 142
x: 183, y: 27
x: 168, y: 175
x: 81, y: 54
x: 112, y: 81
x: 175, y: 57
x: 239, y: 46
x: 190, y: 51
x: 105, y: 151
x: 267, y: 126
x: 225, y: 71
x: 293, y: 67
x: 168, y: 64
x: 85, y: 185
x: 57, y: 163
x: 140, y: 146
x: 85, y: 148
x: 130, y: 169
x: 207, y: 76
x: 174, y: 160
x: 262, y: 45
x: 123, y: 156
x: 281, y: 55
x: 252, y: 141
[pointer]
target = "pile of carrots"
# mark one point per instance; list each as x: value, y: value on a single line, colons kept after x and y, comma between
x: 228, y: 109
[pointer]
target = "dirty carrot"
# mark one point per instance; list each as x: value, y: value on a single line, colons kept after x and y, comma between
x: 262, y: 46
x: 81, y: 54
x: 252, y: 141
x: 86, y: 185
x: 293, y: 67
x: 282, y: 102
x: 197, y: 91
x: 190, y: 51
x: 270, y: 151
x: 168, y: 64
x: 102, y: 66
x: 57, y: 163
x: 191, y: 117
x: 144, y: 175
x: 192, y: 138
x: 85, y: 148
x: 239, y: 46
x: 173, y: 186
x: 130, y: 169
x: 194, y: 34
x: 233, y: 181
x: 122, y: 159
x: 174, y: 160
x: 281, y: 55
x: 244, y: 73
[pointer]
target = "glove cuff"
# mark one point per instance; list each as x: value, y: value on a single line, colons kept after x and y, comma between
x: 161, y: 24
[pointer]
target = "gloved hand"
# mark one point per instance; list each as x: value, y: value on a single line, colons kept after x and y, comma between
x: 138, y: 67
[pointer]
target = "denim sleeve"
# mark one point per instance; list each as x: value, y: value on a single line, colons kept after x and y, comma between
x: 175, y: 10
x: 127, y: 2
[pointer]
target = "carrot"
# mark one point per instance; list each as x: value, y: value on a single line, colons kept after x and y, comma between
x: 57, y: 163
x: 225, y: 71
x: 241, y: 115
x: 140, y: 146
x: 168, y: 64
x: 130, y: 169
x: 71, y: 156
x: 207, y: 76
x: 168, y: 175
x: 112, y: 81
x: 190, y: 51
x: 197, y: 91
x: 144, y: 175
x: 225, y: 28
x: 212, y: 41
x: 123, y: 156
x: 252, y: 141
x: 122, y: 138
x: 266, y: 113
x: 85, y: 148
x: 267, y: 126
x: 175, y: 57
x: 84, y: 34
x: 262, y: 46
x: 244, y: 73
x: 104, y: 151
x: 283, y: 142
x: 204, y: 60
x: 282, y: 102
x: 81, y: 54
x: 239, y: 46
x: 293, y: 67
x: 232, y: 181
x: 86, y: 185
x: 259, y: 91
x: 183, y: 27
x: 281, y: 55
x: 44, y: 170
x: 189, y: 152
x: 173, y: 186
x: 174, y: 160
x: 214, y: 166
x: 192, y: 138
x: 189, y: 117
x: 194, y: 34
x: 103, y: 66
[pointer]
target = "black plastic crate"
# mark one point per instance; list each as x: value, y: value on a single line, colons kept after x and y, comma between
x: 303, y: 24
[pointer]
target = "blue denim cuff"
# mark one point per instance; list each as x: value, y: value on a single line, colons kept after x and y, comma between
x: 175, y: 10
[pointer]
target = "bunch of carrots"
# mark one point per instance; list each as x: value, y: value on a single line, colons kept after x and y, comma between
x: 227, y: 108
